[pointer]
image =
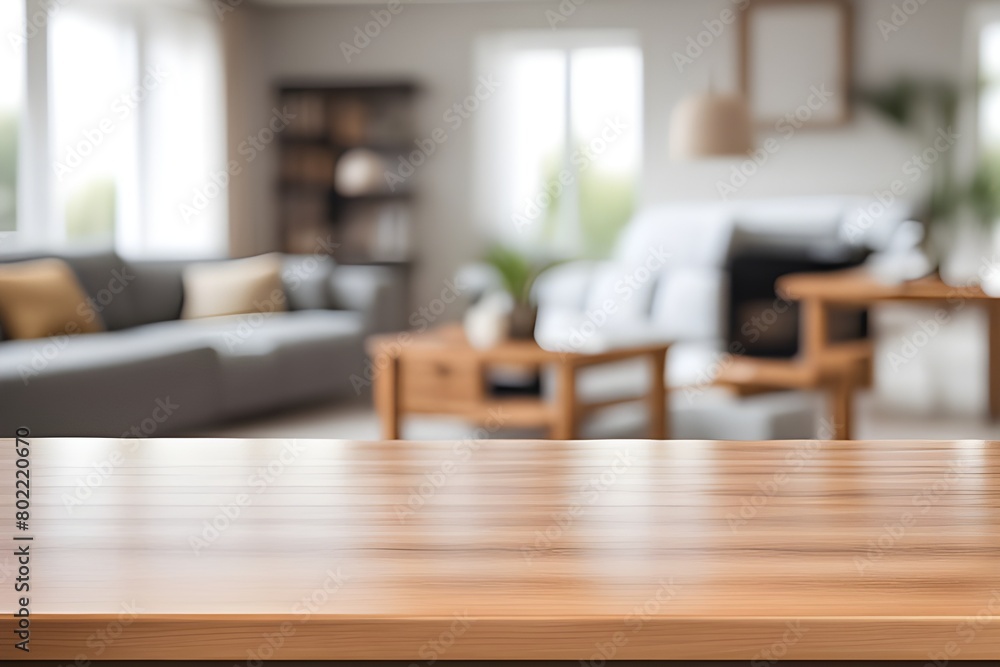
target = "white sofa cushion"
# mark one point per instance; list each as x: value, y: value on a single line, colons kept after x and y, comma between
x: 689, y: 304
x: 623, y: 291
x: 564, y: 285
x: 692, y: 234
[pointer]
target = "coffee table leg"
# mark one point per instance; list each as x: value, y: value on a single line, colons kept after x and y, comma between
x: 842, y: 400
x: 993, y: 309
x: 658, y: 410
x: 387, y: 399
x: 564, y: 427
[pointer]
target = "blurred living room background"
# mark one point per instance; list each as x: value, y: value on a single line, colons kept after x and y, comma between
x: 799, y: 198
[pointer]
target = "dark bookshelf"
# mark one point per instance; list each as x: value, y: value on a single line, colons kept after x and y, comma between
x: 333, y: 159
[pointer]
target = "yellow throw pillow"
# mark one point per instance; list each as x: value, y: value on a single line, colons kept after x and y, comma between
x: 43, y: 298
x: 234, y: 287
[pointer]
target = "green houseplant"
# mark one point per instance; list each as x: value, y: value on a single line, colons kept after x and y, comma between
x: 517, y: 272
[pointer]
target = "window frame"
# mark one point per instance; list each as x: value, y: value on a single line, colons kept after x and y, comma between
x: 490, y: 49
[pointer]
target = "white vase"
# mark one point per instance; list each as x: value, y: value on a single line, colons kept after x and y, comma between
x: 487, y: 323
x: 967, y: 251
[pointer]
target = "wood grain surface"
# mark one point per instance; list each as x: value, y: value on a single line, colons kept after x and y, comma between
x: 859, y: 287
x: 326, y: 549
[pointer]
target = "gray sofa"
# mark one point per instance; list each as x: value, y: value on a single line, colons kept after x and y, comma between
x: 154, y: 374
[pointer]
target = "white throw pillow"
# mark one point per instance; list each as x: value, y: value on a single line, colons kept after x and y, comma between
x: 234, y: 287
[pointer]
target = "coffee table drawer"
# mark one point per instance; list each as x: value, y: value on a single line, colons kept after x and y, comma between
x: 432, y: 385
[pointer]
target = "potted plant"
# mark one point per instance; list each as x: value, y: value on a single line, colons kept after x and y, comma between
x: 517, y: 273
x: 503, y: 305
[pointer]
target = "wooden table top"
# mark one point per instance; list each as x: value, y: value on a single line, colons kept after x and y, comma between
x: 858, y: 286
x: 449, y: 342
x: 326, y: 549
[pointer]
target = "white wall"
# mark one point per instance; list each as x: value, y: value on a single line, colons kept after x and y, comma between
x: 434, y: 43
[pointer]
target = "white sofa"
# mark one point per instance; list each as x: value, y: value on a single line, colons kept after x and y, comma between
x: 667, y: 281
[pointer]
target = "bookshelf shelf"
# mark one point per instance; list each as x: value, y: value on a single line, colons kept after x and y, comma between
x: 334, y: 156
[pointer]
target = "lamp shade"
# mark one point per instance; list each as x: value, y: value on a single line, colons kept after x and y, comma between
x: 710, y: 125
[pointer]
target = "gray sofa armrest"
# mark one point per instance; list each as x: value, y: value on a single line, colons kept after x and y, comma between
x: 374, y: 291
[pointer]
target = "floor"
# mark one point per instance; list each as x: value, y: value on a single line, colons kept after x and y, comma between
x: 357, y: 421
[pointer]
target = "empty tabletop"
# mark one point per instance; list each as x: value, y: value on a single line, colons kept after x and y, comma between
x: 328, y: 549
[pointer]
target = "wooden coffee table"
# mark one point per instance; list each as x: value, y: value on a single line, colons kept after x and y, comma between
x: 255, y: 550
x: 438, y: 373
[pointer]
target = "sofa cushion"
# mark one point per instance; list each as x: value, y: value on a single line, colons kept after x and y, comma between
x: 251, y: 285
x: 267, y: 361
x: 108, y: 279
x: 108, y: 384
x: 157, y: 291
x: 689, y: 304
x: 622, y: 291
x: 692, y: 234
x: 42, y: 298
x: 111, y: 283
x: 564, y: 285
x: 144, y: 397
x: 306, y: 279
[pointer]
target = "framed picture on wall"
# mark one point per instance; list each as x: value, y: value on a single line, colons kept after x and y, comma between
x: 796, y: 58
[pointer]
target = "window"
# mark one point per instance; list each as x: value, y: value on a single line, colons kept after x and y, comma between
x: 11, y: 104
x: 92, y: 131
x: 559, y: 147
x: 135, y: 127
x: 989, y: 101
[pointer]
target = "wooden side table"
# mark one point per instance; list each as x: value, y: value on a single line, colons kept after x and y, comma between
x: 438, y: 373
